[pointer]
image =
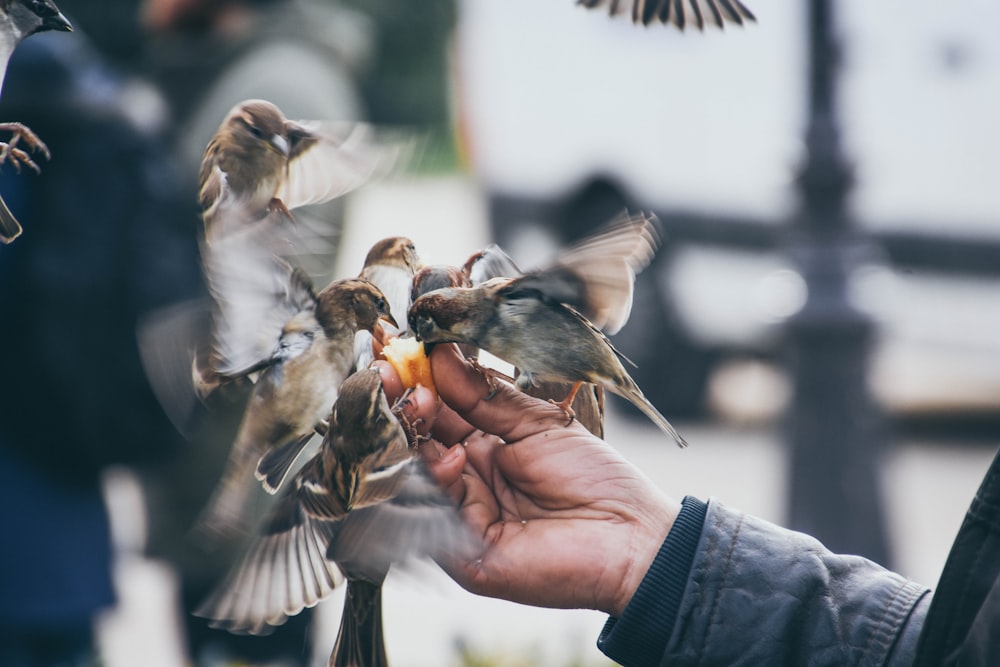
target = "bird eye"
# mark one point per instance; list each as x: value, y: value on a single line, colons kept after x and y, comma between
x: 256, y: 131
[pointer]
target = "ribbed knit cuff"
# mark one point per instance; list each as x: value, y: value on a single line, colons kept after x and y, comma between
x: 639, y: 636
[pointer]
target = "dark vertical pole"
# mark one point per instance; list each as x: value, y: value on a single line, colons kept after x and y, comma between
x: 834, y: 426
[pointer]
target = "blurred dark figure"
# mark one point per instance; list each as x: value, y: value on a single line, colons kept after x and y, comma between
x: 104, y: 246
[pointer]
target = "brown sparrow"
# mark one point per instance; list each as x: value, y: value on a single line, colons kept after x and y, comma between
x: 547, y: 323
x: 436, y: 276
x: 680, y: 13
x: 361, y: 504
x: 588, y: 402
x: 389, y: 265
x: 310, y: 357
x: 20, y: 19
x: 260, y: 164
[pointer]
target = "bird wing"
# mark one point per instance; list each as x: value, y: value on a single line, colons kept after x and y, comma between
x: 418, y: 521
x: 680, y: 13
x: 597, y: 275
x: 328, y: 160
x: 284, y: 570
x: 254, y: 294
x: 491, y: 262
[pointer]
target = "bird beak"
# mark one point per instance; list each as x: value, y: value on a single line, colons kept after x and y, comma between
x: 280, y: 144
x: 57, y: 22
x: 379, y: 332
x: 387, y: 317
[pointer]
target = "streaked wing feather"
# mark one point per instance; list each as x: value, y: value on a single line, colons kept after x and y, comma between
x: 420, y: 521
x: 284, y: 570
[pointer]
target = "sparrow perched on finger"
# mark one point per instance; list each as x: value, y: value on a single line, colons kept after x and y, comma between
x: 588, y: 401
x: 20, y: 19
x: 362, y: 504
x: 547, y: 323
x: 680, y: 13
x: 311, y: 355
x: 259, y: 164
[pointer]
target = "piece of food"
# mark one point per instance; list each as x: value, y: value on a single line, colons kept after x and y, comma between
x: 411, y: 363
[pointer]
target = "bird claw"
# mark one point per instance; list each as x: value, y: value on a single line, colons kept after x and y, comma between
x: 491, y: 376
x: 412, y: 435
x: 9, y: 152
x: 567, y: 403
x: 565, y: 406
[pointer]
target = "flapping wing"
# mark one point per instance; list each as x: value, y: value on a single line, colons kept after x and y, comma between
x: 419, y: 521
x: 490, y: 262
x: 254, y: 293
x: 284, y: 571
x: 328, y: 160
x: 680, y: 13
x: 597, y: 275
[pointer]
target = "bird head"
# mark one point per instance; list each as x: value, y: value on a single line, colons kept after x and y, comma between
x: 31, y: 16
x: 450, y: 315
x: 353, y: 303
x: 394, y: 251
x: 261, y: 123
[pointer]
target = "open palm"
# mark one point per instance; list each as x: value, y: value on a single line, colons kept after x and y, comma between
x: 565, y: 520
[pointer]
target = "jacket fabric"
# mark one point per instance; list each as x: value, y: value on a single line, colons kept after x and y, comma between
x: 729, y: 589
x: 961, y: 625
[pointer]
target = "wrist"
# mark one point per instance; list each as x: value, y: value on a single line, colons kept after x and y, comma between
x: 646, y: 622
x: 650, y: 532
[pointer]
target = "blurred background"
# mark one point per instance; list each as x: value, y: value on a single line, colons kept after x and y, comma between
x: 822, y: 322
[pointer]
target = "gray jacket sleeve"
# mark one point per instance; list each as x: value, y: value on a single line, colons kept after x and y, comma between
x: 730, y: 589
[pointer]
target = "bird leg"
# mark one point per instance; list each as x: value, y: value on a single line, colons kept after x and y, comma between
x: 412, y: 435
x: 9, y: 152
x: 567, y: 403
x: 490, y: 374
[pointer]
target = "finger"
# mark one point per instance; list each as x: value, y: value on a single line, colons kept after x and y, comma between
x: 501, y: 410
x: 419, y: 407
x: 391, y: 382
x: 446, y: 466
x: 425, y: 411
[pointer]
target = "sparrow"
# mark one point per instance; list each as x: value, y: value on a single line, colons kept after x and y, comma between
x: 436, y: 276
x: 548, y: 323
x: 311, y: 354
x: 680, y: 13
x: 588, y: 403
x: 20, y: 19
x: 389, y: 265
x: 259, y: 164
x: 363, y: 503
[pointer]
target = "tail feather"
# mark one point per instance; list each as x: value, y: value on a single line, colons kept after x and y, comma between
x: 630, y: 390
x: 360, y: 641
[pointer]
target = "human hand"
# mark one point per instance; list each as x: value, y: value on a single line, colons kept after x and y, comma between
x: 565, y: 520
